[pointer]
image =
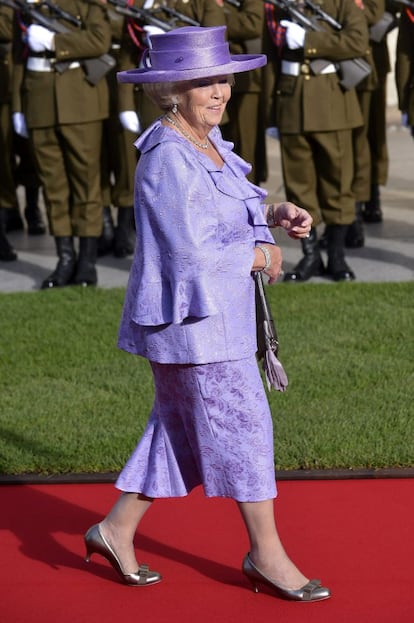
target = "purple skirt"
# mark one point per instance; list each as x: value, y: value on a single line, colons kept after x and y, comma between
x: 210, y: 424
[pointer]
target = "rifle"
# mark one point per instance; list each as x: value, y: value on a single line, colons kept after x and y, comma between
x: 388, y: 22
x: 142, y: 15
x: 384, y: 25
x: 95, y: 68
x: 177, y: 16
x: 351, y: 71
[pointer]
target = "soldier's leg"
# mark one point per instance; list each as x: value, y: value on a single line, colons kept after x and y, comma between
x: 82, y: 144
x: 335, y: 167
x: 301, y: 187
x: 26, y: 176
x: 123, y: 191
x: 377, y: 137
x: 8, y: 197
x: 361, y: 185
x: 49, y: 155
x: 106, y: 239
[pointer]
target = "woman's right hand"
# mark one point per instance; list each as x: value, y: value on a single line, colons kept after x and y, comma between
x: 275, y: 268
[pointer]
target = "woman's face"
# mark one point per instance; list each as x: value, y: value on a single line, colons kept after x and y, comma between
x: 203, y: 102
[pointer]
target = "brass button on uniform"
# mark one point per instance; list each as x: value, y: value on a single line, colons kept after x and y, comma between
x: 305, y: 69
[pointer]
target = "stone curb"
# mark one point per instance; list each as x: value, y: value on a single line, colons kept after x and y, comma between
x: 312, y: 474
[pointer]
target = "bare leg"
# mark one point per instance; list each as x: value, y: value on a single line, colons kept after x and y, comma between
x: 120, y: 525
x: 266, y: 549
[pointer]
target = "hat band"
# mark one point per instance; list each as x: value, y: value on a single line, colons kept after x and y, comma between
x: 169, y: 60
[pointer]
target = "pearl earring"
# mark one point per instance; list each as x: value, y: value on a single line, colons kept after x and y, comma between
x: 174, y: 109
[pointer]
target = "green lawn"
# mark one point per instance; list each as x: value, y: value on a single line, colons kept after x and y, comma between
x: 72, y: 402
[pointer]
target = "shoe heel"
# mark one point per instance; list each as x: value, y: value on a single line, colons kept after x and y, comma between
x: 88, y: 554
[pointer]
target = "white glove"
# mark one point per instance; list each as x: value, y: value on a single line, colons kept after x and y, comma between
x: 152, y: 30
x: 40, y: 38
x: 129, y: 121
x: 295, y: 34
x: 19, y: 124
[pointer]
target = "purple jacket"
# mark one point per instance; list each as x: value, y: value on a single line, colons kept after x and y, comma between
x: 190, y: 294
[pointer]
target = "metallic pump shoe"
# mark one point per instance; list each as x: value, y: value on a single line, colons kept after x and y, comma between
x: 312, y: 591
x: 96, y: 543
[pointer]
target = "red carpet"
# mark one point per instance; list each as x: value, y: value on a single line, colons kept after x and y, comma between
x: 357, y: 535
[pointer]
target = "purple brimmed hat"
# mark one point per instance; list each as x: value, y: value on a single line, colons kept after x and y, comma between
x: 188, y: 53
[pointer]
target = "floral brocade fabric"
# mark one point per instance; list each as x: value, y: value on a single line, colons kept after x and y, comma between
x: 190, y: 295
x: 210, y: 425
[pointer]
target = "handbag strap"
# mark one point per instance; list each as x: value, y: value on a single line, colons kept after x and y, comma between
x: 267, y: 314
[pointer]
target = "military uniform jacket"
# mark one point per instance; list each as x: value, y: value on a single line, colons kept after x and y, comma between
x: 244, y: 32
x: 316, y: 103
x: 6, y: 35
x: 48, y: 98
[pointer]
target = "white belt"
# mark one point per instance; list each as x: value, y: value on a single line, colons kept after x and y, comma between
x: 35, y: 63
x: 292, y: 68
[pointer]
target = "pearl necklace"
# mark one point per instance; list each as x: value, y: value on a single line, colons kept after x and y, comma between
x: 184, y: 133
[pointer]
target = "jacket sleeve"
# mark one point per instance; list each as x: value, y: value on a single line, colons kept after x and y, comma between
x: 352, y: 41
x: 91, y: 41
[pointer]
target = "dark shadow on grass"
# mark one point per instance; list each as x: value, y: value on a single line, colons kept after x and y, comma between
x: 27, y: 444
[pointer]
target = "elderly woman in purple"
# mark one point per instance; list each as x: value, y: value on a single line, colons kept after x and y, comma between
x: 202, y: 230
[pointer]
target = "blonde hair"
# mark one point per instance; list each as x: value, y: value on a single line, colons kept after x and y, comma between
x: 163, y: 94
x: 166, y: 94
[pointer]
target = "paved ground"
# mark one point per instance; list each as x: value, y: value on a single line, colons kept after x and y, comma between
x: 387, y: 255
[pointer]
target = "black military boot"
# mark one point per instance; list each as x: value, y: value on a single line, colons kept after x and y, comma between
x: 354, y: 238
x: 311, y: 264
x: 86, y: 274
x: 65, y: 268
x: 372, y: 212
x: 106, y: 239
x: 14, y: 221
x: 32, y: 214
x: 7, y: 253
x: 124, y: 233
x: 337, y: 267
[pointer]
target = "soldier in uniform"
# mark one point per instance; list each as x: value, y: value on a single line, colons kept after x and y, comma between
x: 245, y: 127
x: 373, y: 11
x: 404, y: 69
x: 62, y: 104
x: 316, y: 117
x: 119, y: 157
x: 377, y: 135
x: 7, y: 187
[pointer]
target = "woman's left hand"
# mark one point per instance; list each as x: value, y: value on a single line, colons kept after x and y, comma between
x: 294, y: 220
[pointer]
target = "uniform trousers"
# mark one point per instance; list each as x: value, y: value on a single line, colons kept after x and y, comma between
x: 67, y: 158
x: 119, y: 161
x: 377, y: 134
x: 361, y: 185
x: 242, y: 127
x: 318, y: 170
x: 119, y: 156
x: 8, y: 197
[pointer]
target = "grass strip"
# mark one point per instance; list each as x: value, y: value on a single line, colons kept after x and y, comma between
x: 71, y: 402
